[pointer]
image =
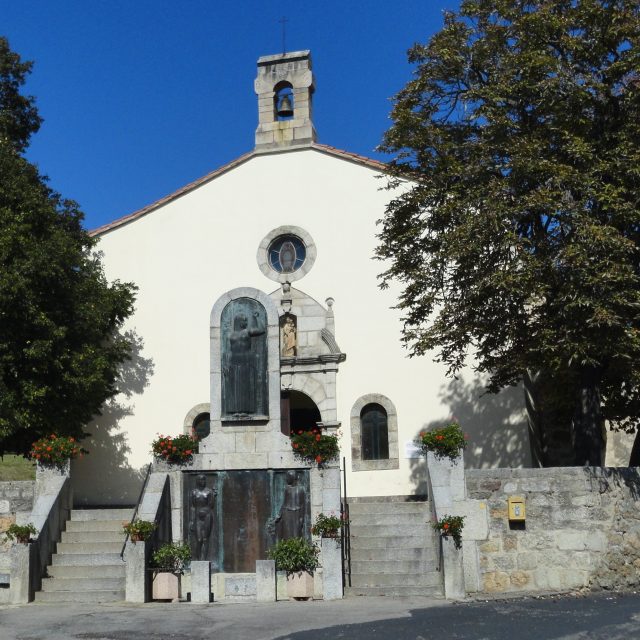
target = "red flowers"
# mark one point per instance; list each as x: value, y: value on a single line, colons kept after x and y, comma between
x: 55, y: 450
x: 312, y: 445
x: 174, y: 450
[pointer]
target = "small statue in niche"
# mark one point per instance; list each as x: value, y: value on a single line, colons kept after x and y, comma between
x: 290, y: 520
x: 289, y: 337
x: 201, y: 517
x: 241, y: 373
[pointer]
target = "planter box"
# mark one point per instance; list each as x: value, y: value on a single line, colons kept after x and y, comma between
x: 300, y: 586
x: 166, y: 586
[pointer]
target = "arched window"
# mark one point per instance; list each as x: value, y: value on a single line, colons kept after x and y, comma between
x: 202, y: 426
x: 374, y: 432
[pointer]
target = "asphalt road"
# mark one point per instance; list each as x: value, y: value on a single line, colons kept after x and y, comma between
x: 594, y: 617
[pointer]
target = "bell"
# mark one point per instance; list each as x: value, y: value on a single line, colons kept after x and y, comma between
x: 285, y: 109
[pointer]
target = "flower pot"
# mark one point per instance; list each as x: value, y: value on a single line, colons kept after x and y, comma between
x: 300, y: 586
x: 166, y: 586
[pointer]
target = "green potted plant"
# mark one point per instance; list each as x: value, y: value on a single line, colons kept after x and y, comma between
x: 21, y: 533
x: 451, y: 527
x: 168, y: 564
x: 446, y: 442
x: 327, y: 526
x: 298, y: 558
x: 139, y: 530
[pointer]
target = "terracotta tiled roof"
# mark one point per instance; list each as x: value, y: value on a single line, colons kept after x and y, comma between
x: 323, y: 148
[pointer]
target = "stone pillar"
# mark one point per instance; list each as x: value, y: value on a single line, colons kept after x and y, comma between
x: 447, y: 491
x: 201, y: 581
x: 331, y: 568
x: 453, y: 569
x: 265, y: 581
x: 22, y: 558
x: 136, y: 572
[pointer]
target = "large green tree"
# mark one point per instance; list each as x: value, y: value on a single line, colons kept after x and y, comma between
x: 515, y: 232
x: 60, y: 346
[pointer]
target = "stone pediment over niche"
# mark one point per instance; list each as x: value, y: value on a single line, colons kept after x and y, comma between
x: 306, y: 328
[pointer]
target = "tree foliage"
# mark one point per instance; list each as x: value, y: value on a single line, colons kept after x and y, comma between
x: 515, y: 234
x: 59, y: 317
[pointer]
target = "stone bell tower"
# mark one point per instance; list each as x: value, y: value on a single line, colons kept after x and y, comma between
x: 285, y: 89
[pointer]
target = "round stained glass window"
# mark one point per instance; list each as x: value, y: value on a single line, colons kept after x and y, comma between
x: 287, y: 254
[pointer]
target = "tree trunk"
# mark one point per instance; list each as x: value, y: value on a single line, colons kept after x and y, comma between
x: 588, y: 441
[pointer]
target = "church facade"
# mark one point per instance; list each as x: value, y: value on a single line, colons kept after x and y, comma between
x: 291, y: 225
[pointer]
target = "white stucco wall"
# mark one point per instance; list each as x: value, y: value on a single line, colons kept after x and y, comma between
x: 184, y: 255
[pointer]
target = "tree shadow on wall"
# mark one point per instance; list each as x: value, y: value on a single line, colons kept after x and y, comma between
x: 496, y: 426
x: 104, y: 476
x: 608, y: 478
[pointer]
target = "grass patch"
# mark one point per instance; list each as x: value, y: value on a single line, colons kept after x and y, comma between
x: 16, y: 468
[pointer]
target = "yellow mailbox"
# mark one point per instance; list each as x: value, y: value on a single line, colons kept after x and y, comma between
x: 516, y: 509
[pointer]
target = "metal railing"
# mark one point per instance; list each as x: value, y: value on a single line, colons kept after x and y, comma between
x: 345, y: 531
x: 135, y: 511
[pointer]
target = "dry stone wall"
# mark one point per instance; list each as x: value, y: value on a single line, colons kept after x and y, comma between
x: 582, y: 529
x: 15, y: 496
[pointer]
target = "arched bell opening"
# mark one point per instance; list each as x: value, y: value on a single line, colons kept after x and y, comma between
x: 283, y: 101
x: 298, y: 412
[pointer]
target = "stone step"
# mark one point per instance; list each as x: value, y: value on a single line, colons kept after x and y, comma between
x: 359, y: 508
x: 361, y: 541
x: 431, y: 579
x: 87, y: 571
x: 400, y: 519
x: 67, y: 559
x: 83, y: 584
x: 84, y: 515
x: 85, y: 597
x: 396, y: 531
x: 394, y: 592
x: 396, y: 554
x: 65, y: 548
x: 408, y: 567
x: 94, y: 525
x: 93, y: 536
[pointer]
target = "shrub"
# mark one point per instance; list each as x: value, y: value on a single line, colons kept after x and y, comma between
x: 446, y: 442
x: 294, y: 555
x: 171, y: 557
x: 178, y: 450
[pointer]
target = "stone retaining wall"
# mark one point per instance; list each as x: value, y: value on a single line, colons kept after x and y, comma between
x: 15, y: 496
x: 582, y: 529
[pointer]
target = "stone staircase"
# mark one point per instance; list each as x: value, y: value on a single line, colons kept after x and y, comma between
x: 394, y: 550
x: 87, y: 566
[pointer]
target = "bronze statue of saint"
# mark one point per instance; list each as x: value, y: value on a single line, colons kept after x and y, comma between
x: 201, y: 517
x: 289, y: 338
x: 241, y: 378
x: 290, y: 520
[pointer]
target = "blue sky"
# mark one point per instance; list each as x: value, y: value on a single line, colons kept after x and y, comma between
x: 140, y: 97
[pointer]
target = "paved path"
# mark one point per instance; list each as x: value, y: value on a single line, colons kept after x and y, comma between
x: 599, y: 617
